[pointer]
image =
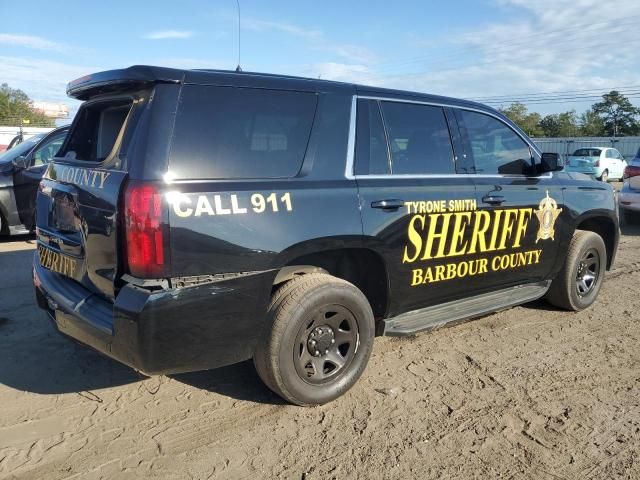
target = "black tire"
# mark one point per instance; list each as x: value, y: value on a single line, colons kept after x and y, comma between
x: 604, y: 177
x: 571, y: 289
x: 315, y: 309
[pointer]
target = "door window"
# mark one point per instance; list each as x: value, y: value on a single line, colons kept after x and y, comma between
x: 419, y: 140
x: 494, y: 147
x: 372, y: 155
x: 48, y: 150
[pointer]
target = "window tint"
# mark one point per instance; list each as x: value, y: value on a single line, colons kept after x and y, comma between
x: 587, y: 152
x: 617, y: 154
x: 228, y: 132
x: 371, y: 145
x: 495, y: 148
x: 48, y: 150
x: 419, y: 138
x: 609, y: 154
x: 96, y: 130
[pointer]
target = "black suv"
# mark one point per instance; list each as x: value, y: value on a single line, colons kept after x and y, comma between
x: 195, y: 219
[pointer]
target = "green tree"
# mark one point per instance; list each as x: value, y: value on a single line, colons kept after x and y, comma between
x: 15, y: 108
x: 560, y: 124
x: 591, y: 125
x: 529, y: 122
x: 617, y: 113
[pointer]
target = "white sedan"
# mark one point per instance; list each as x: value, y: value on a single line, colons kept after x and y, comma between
x: 601, y: 163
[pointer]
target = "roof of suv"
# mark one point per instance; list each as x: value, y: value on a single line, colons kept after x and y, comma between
x: 82, y: 88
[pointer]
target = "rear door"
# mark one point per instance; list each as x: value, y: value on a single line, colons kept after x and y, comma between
x: 522, y: 220
x: 77, y: 206
x: 26, y: 181
x: 415, y: 208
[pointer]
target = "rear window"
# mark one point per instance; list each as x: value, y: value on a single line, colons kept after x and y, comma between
x: 232, y: 133
x: 96, y: 130
x: 587, y: 152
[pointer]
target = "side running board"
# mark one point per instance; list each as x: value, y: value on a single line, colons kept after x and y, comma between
x: 438, y: 315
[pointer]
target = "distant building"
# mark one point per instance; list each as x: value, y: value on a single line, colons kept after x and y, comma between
x: 51, y: 110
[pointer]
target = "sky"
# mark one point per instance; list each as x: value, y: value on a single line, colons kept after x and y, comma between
x: 495, y: 51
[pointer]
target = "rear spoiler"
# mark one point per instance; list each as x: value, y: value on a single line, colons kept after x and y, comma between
x: 109, y: 81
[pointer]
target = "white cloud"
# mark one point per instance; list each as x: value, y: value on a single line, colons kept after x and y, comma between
x: 30, y: 41
x: 43, y: 80
x: 168, y: 34
x: 551, y: 45
x: 282, y: 27
x: 341, y: 72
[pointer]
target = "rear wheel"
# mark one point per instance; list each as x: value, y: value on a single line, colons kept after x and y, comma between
x: 604, y: 177
x: 578, y: 283
x: 320, y: 337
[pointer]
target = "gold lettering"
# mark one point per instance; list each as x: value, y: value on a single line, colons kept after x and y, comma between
x: 457, y: 237
x: 433, y: 234
x: 417, y: 277
x: 480, y: 227
x: 414, y: 238
x: 507, y: 228
x: 521, y: 229
x: 494, y: 230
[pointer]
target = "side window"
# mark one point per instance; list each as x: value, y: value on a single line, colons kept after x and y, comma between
x: 617, y: 154
x: 47, y: 151
x: 235, y: 132
x: 419, y: 139
x: 372, y: 156
x: 609, y: 154
x: 494, y: 146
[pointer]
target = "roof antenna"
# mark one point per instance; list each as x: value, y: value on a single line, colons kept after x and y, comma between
x: 238, y: 68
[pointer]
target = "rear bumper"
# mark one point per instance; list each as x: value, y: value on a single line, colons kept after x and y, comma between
x: 168, y: 331
x: 629, y: 199
x: 593, y: 172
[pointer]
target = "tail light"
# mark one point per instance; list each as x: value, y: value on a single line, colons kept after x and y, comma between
x: 144, y: 225
x: 631, y: 171
x: 596, y: 163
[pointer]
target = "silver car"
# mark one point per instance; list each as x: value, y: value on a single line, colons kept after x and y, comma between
x: 629, y: 197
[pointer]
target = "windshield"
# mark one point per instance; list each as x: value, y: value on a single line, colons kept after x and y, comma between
x: 21, y: 149
x: 587, y: 152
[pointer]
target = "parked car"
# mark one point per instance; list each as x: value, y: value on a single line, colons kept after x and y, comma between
x: 193, y: 219
x: 21, y: 169
x: 629, y: 196
x: 601, y: 163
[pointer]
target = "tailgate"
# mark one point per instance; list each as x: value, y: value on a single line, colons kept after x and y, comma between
x: 77, y: 214
x: 77, y: 205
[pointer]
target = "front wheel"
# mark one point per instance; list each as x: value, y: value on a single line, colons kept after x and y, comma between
x: 319, y: 339
x: 578, y: 283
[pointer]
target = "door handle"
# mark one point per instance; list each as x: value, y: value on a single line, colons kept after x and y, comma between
x: 391, y: 204
x: 493, y: 199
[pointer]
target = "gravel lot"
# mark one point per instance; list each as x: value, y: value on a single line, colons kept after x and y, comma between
x: 531, y: 392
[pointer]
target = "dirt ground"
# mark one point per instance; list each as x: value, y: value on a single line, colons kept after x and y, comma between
x: 531, y: 392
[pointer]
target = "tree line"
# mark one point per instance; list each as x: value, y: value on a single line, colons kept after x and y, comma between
x: 15, y: 109
x: 614, y: 116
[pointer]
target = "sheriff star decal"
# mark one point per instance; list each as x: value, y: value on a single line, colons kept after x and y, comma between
x: 547, y: 214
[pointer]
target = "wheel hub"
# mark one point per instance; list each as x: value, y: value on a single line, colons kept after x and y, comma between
x: 320, y: 340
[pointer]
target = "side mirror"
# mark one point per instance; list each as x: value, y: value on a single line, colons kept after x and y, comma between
x: 21, y: 162
x: 550, y: 162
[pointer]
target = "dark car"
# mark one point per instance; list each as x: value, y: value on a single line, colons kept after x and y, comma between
x: 193, y: 219
x: 21, y: 169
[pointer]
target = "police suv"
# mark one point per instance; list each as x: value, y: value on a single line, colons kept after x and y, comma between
x: 195, y: 218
